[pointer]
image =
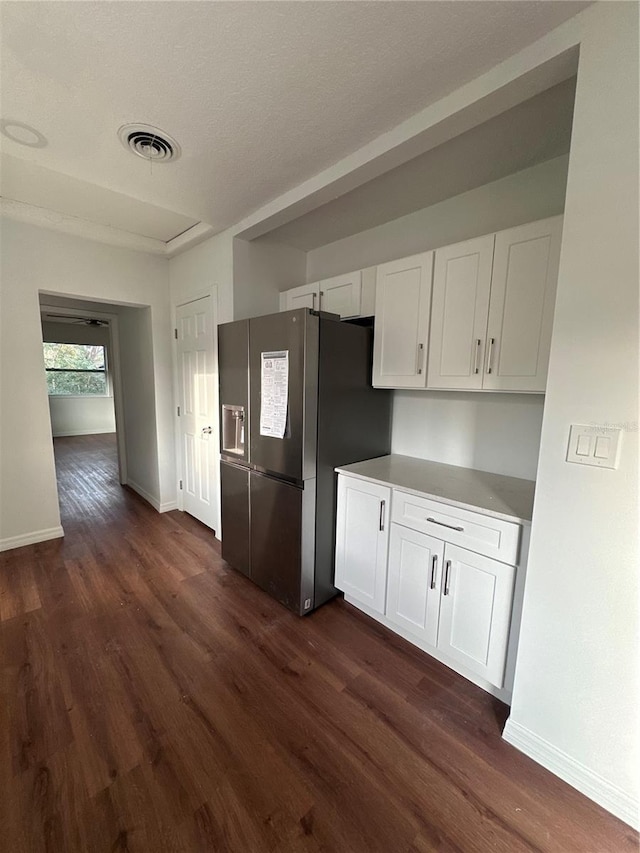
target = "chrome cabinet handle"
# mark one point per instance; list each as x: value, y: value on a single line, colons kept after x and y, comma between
x: 442, y: 524
x: 447, y: 576
x: 381, y: 522
x: 477, y: 361
x: 490, y: 354
x: 434, y: 568
x: 419, y: 359
x: 313, y: 300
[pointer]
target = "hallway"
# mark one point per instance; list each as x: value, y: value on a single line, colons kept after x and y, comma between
x: 155, y: 700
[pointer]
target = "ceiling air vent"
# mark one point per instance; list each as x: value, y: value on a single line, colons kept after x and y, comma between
x: 149, y: 142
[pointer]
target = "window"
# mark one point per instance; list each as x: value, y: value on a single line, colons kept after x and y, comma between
x: 76, y: 370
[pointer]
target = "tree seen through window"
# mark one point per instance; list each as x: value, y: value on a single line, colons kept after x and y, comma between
x: 75, y: 369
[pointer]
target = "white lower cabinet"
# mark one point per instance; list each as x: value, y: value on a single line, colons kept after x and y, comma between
x: 451, y: 601
x: 475, y: 612
x: 454, y: 600
x: 413, y: 590
x: 361, y: 540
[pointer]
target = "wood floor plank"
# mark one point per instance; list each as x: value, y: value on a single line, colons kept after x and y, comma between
x: 155, y: 701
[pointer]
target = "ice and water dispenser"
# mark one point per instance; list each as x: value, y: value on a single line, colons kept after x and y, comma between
x: 233, y: 429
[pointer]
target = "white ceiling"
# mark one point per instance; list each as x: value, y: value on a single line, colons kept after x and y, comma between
x: 32, y: 184
x: 536, y: 130
x: 260, y: 95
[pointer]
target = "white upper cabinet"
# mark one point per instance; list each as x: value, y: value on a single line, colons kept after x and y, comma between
x: 349, y: 295
x: 461, y: 287
x: 342, y: 294
x: 305, y: 296
x: 403, y: 299
x: 523, y: 296
x: 492, y: 314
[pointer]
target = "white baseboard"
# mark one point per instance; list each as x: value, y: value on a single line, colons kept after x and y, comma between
x: 168, y: 506
x: 149, y: 498
x: 592, y: 785
x: 31, y: 538
x: 82, y: 432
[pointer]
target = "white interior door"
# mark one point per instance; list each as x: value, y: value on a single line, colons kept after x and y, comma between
x: 198, y: 427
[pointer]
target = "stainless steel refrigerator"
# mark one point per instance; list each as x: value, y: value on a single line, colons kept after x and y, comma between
x: 279, y: 493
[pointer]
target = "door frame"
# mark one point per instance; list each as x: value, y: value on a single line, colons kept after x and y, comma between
x: 115, y: 372
x: 194, y: 296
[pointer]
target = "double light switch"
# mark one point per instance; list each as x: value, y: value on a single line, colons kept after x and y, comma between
x: 594, y: 445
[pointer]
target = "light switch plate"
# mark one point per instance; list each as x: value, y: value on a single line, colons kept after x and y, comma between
x: 594, y: 445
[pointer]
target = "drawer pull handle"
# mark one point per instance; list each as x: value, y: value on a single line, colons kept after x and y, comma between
x: 447, y: 576
x: 434, y: 568
x: 450, y: 526
x: 381, y: 523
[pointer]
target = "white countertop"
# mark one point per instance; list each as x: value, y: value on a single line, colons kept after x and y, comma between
x: 509, y: 498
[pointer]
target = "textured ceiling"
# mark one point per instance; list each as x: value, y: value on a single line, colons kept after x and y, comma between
x: 260, y: 95
x: 36, y: 185
x: 536, y: 130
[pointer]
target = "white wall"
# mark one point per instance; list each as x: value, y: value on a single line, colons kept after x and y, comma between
x: 71, y: 415
x: 261, y: 269
x: 490, y: 432
x: 197, y: 271
x: 36, y: 259
x: 205, y: 270
x: 81, y: 415
x: 534, y: 193
x: 576, y: 697
x: 135, y: 331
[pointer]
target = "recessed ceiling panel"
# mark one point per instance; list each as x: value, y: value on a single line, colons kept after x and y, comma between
x: 32, y: 184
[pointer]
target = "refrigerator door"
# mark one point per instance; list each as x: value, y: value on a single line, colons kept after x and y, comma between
x: 292, y: 457
x: 282, y: 540
x: 233, y: 365
x: 234, y: 486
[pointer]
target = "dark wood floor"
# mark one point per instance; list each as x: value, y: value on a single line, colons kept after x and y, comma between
x: 154, y: 700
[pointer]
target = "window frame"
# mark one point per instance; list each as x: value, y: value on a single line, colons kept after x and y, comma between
x: 108, y: 392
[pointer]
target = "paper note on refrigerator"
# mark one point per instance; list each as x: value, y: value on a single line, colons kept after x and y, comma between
x: 274, y: 397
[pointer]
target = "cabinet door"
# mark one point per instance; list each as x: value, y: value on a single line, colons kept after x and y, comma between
x: 413, y: 587
x: 475, y: 612
x: 361, y: 540
x: 342, y: 294
x: 403, y: 297
x: 305, y: 296
x: 461, y: 285
x: 523, y: 296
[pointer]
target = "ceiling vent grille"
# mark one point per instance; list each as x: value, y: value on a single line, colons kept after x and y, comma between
x: 149, y: 142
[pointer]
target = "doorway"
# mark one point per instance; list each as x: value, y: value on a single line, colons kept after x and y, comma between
x: 82, y: 366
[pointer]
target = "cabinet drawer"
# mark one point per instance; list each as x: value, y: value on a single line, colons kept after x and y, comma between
x: 480, y: 533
